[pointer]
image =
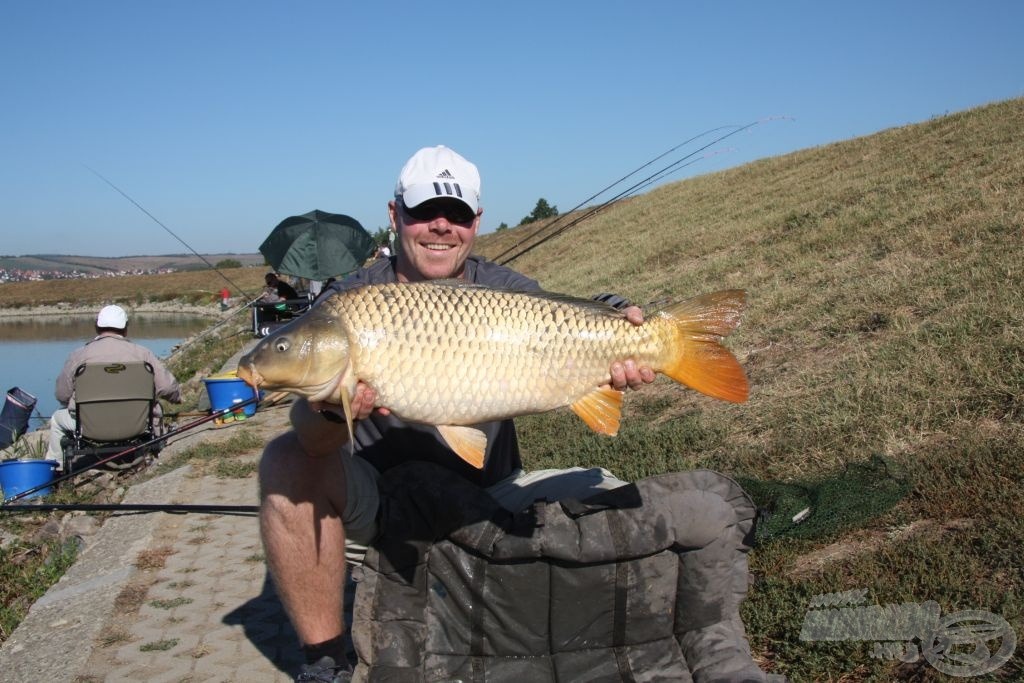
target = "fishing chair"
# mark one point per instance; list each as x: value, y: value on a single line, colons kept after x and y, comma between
x: 115, y: 406
x: 268, y: 317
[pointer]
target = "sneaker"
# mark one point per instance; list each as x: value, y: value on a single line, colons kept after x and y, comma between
x: 324, y: 670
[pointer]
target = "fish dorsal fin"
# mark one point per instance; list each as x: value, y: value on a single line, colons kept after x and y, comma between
x: 590, y: 305
x: 601, y: 410
x: 467, y: 442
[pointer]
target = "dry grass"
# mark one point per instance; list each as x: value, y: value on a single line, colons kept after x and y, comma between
x: 886, y: 316
x: 196, y: 287
x: 153, y: 559
x: 130, y: 599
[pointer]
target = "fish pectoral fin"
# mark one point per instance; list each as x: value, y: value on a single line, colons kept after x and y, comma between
x: 346, y: 406
x: 346, y: 390
x: 601, y: 409
x: 467, y: 442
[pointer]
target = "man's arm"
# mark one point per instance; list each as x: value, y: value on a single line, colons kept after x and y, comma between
x: 64, y: 386
x: 165, y: 383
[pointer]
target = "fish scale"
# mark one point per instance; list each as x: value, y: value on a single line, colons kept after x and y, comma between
x: 453, y: 354
x: 508, y: 352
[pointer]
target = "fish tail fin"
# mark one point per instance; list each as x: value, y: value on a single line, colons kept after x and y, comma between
x: 697, y: 358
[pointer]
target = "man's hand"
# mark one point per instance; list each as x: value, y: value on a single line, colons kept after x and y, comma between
x: 628, y: 373
x: 320, y: 426
x: 362, y: 405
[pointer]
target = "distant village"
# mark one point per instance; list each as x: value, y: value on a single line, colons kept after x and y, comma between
x: 20, y: 275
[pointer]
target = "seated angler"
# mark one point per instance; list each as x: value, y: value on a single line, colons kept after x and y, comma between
x: 111, y: 344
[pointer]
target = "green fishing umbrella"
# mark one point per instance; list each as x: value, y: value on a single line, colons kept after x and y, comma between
x: 317, y: 245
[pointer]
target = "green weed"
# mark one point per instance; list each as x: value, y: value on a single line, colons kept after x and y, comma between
x: 232, y: 469
x: 240, y: 443
x: 27, y: 570
x: 170, y: 604
x: 159, y: 645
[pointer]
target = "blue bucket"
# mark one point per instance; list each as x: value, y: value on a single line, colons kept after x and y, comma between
x: 17, y: 476
x: 227, y: 391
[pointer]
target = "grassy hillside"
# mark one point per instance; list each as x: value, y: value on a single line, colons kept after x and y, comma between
x: 886, y: 285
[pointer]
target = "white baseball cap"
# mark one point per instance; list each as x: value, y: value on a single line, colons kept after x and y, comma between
x: 112, y: 316
x: 436, y: 172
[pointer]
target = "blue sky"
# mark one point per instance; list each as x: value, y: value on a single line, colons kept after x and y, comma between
x: 223, y: 117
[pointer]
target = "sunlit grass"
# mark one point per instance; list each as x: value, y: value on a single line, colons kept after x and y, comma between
x: 886, y: 287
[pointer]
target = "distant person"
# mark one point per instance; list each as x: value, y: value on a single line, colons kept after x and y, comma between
x: 384, y: 251
x: 277, y: 289
x: 110, y: 344
x: 314, y: 288
x: 325, y: 288
x: 225, y: 294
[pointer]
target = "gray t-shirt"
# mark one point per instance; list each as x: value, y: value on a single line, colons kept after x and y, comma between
x: 111, y: 347
x: 386, y: 441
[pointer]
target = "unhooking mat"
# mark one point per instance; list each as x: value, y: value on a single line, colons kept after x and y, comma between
x: 640, y: 583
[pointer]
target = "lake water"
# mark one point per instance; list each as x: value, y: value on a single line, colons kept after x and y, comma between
x: 33, y: 350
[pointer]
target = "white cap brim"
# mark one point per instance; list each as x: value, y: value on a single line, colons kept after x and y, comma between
x: 438, y: 172
x: 417, y: 194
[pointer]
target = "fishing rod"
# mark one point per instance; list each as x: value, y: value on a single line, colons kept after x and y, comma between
x: 36, y: 415
x: 169, y: 231
x: 163, y: 437
x: 674, y: 167
x: 134, y: 507
x: 597, y: 209
x: 620, y: 180
x: 188, y: 343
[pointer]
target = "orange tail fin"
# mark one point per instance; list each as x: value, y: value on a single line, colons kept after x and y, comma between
x: 698, y: 359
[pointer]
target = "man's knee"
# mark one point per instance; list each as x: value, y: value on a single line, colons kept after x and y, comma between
x: 287, y: 472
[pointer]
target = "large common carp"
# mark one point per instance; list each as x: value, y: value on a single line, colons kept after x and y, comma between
x: 453, y: 354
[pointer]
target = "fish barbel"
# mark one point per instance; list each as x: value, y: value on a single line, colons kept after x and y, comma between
x: 453, y: 354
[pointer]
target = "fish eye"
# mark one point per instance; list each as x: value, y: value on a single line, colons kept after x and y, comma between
x: 282, y: 344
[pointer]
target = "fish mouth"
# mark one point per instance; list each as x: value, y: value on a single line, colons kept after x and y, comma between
x: 325, y: 391
x: 250, y: 375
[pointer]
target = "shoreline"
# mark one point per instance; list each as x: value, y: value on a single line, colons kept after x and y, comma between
x: 208, y: 310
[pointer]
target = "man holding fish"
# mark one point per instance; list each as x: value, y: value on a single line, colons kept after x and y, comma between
x: 415, y: 355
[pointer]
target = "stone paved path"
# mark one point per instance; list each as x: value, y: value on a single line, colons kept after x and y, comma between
x: 210, y: 613
x: 166, y: 597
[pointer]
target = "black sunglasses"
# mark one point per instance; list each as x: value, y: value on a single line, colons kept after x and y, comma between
x: 453, y: 210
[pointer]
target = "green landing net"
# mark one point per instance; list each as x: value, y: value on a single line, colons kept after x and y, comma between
x: 810, y: 509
